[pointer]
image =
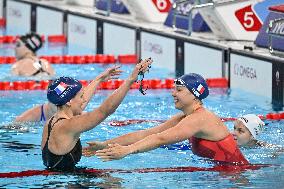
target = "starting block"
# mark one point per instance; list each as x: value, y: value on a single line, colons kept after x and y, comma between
x: 149, y: 10
x: 234, y: 20
x: 117, y: 6
x: 271, y: 34
x: 178, y: 18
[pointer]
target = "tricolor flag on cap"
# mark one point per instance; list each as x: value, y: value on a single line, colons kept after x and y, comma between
x: 200, y: 88
x: 61, y: 87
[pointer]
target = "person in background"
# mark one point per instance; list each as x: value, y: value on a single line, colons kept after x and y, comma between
x: 61, y: 146
x: 38, y: 113
x: 44, y: 112
x: 27, y: 63
x: 209, y: 137
x: 247, y: 129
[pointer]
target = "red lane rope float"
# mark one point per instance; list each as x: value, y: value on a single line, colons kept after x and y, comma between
x: 24, y: 85
x: 96, y: 172
x: 2, y: 23
x: 57, y: 39
x: 7, y: 59
x: 127, y: 59
x: 26, y: 173
x: 11, y: 38
x: 217, y: 82
x: 108, y: 85
x: 116, y: 123
x: 8, y: 39
x: 68, y: 59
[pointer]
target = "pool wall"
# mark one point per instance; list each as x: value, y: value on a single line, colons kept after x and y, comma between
x: 250, y: 71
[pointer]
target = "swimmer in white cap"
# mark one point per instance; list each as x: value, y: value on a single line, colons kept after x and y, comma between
x: 247, y: 129
x: 246, y: 132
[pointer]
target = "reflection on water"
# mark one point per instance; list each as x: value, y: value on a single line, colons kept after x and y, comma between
x: 103, y: 181
x: 16, y: 146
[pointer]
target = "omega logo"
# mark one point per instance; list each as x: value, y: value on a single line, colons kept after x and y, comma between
x: 76, y: 28
x: 152, y: 47
x: 243, y: 71
x: 15, y: 12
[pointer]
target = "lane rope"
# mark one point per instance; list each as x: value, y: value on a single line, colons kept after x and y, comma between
x: 167, y: 83
x: 96, y: 172
x: 117, y: 123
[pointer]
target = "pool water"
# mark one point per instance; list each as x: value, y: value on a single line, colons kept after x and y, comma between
x: 20, y: 149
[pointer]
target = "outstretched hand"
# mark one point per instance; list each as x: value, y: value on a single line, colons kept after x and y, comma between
x: 110, y: 73
x: 92, y: 148
x: 113, y: 152
x: 142, y: 67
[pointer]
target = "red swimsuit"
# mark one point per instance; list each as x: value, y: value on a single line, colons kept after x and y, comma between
x: 225, y: 150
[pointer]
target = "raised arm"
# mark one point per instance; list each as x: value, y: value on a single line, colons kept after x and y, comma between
x: 182, y: 131
x: 32, y: 114
x: 110, y: 73
x: 89, y: 120
x: 133, y: 137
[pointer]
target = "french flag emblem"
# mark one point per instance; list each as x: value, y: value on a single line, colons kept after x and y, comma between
x: 61, y: 87
x: 200, y: 88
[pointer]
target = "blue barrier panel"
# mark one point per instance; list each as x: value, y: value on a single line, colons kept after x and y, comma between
x: 276, y: 12
x: 198, y: 23
x: 116, y: 6
x: 261, y: 8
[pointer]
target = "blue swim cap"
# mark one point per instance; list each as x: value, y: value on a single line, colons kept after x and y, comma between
x: 195, y: 83
x: 62, y: 90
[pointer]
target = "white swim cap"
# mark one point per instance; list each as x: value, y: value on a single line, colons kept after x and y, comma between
x: 253, y: 123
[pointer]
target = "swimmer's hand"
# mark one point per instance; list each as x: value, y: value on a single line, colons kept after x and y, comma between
x: 113, y: 152
x: 110, y: 73
x: 143, y: 66
x: 93, y: 147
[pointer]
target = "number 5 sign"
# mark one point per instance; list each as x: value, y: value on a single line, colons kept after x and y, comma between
x: 248, y: 19
x: 161, y: 5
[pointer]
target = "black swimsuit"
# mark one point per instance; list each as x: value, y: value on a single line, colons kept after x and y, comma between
x: 39, y: 68
x: 61, y: 162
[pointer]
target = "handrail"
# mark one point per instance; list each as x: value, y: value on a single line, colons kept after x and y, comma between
x: 272, y: 34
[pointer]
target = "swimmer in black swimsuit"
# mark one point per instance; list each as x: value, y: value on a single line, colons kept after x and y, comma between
x: 61, y: 162
x: 61, y: 134
x: 27, y: 63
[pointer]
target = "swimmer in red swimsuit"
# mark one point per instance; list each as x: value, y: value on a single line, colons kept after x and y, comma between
x: 210, y: 138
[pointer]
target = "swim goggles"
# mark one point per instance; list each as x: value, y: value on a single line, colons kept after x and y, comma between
x: 140, y: 78
x: 179, y: 83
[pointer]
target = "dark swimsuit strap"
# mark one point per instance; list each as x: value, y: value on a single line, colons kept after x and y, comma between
x: 42, y: 116
x: 40, y: 70
x: 50, y: 126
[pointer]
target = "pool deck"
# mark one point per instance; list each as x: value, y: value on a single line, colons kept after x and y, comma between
x: 207, y: 38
